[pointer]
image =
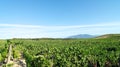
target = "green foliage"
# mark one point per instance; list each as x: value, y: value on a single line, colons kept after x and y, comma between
x: 28, y: 58
x: 1, y: 58
x: 9, y: 65
x: 9, y: 42
x: 4, y: 53
x: 16, y: 54
x: 65, y: 53
x: 70, y: 52
x: 3, y: 50
x: 41, y: 61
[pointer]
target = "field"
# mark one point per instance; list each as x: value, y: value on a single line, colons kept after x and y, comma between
x: 65, y: 52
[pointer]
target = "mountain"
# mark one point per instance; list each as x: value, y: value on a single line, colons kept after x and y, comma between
x: 82, y: 36
x: 111, y: 36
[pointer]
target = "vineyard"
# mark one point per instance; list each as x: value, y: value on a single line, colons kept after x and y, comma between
x: 64, y: 52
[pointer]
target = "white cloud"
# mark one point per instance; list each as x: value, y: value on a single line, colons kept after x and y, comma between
x: 36, y: 31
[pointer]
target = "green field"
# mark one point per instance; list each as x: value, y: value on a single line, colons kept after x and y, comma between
x: 67, y: 52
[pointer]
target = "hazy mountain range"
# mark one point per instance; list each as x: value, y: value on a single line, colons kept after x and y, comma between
x: 83, y: 36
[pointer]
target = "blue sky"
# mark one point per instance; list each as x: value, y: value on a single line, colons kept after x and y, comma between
x: 58, y: 18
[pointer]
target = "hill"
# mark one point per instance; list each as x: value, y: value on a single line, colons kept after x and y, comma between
x: 111, y: 36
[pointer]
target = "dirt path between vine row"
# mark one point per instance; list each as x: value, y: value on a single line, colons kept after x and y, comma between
x: 16, y: 62
x: 19, y: 63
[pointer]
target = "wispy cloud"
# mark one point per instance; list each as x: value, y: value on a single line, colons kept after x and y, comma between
x: 73, y: 26
x: 36, y: 31
x: 19, y: 25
